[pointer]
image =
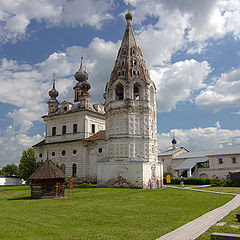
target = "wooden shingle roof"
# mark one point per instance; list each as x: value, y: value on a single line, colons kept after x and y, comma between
x: 47, y: 171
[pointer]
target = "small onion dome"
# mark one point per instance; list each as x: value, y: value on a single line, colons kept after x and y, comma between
x: 174, y: 141
x: 81, y: 75
x: 53, y: 93
x: 85, y: 86
x: 129, y: 16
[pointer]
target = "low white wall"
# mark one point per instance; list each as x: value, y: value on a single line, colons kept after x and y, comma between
x: 11, y: 181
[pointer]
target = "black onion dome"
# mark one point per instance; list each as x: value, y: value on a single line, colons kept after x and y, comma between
x: 53, y: 93
x: 129, y: 16
x: 174, y: 141
x: 81, y: 75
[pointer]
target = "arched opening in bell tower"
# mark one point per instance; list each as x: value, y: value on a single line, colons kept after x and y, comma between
x: 136, y: 91
x: 119, y: 92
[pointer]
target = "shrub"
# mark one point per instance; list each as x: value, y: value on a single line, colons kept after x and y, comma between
x: 216, y: 182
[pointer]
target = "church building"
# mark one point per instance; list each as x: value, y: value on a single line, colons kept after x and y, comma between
x: 113, y: 144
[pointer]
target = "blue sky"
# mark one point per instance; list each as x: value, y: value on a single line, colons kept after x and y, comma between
x: 191, y: 49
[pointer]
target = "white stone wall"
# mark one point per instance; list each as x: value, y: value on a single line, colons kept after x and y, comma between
x: 80, y: 158
x: 83, y: 119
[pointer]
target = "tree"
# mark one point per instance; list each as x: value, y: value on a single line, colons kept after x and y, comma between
x: 10, y: 170
x: 28, y: 164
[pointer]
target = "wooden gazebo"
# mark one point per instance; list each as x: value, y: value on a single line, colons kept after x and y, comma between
x: 47, y: 181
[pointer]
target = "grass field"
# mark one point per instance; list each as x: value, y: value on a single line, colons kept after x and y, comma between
x: 101, y: 213
x: 230, y: 220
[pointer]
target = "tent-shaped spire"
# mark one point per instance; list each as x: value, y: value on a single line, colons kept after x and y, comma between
x: 47, y: 171
x: 130, y: 62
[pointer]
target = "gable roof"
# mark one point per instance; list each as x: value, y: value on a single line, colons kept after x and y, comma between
x: 198, y: 154
x: 170, y: 152
x: 47, y: 171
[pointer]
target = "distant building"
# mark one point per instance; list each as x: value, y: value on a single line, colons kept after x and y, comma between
x: 211, y: 163
x: 123, y: 155
x: 11, y: 181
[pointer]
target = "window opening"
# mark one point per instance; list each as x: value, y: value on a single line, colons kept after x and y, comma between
x: 136, y: 91
x: 75, y: 128
x: 65, y: 109
x: 53, y: 131
x: 63, y: 168
x: 93, y: 128
x: 220, y: 161
x: 119, y: 92
x: 53, y: 154
x: 63, y: 152
x: 74, y: 170
x: 100, y: 150
x: 64, y: 129
x: 74, y: 151
x: 234, y: 160
x: 40, y: 155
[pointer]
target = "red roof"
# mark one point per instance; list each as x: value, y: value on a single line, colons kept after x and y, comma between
x: 97, y: 136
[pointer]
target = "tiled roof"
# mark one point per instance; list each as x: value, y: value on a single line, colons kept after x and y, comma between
x: 97, y: 136
x: 47, y: 171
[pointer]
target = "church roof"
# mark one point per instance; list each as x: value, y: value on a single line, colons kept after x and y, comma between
x: 130, y: 62
x: 47, y: 171
x: 170, y: 152
x: 97, y: 136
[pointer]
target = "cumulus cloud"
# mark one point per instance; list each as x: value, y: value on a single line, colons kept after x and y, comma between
x: 188, y: 21
x: 13, y: 143
x: 15, y: 16
x: 223, y: 93
x: 197, y: 139
x: 178, y: 82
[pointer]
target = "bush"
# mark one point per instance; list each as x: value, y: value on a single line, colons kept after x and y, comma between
x: 216, y: 182
x: 189, y: 181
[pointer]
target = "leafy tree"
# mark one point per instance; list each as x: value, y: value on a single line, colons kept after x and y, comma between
x: 10, y: 170
x: 28, y: 164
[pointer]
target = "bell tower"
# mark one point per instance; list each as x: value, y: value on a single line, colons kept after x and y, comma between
x: 131, y: 127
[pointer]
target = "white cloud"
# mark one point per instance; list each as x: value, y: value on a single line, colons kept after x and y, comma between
x: 188, y: 21
x: 178, y: 82
x: 15, y: 16
x: 13, y: 143
x: 223, y: 93
x: 197, y: 139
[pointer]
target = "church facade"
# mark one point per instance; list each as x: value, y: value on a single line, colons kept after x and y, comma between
x: 114, y: 144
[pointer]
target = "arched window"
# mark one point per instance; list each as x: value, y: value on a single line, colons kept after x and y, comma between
x: 119, y: 92
x: 152, y: 95
x: 63, y: 168
x: 136, y: 91
x: 74, y: 170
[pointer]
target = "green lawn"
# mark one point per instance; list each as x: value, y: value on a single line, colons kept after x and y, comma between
x: 102, y: 213
x: 223, y: 189
x: 230, y: 219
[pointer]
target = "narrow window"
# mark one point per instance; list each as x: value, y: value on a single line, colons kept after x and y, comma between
x: 75, y: 128
x: 53, y: 131
x: 122, y: 63
x: 138, y: 73
x: 74, y: 170
x: 136, y: 91
x: 77, y: 96
x: 234, y: 160
x: 119, y: 73
x: 63, y: 152
x: 134, y: 73
x: 93, y: 128
x: 220, y: 161
x: 119, y: 92
x: 122, y: 73
x: 135, y: 62
x: 63, y: 168
x: 64, y: 129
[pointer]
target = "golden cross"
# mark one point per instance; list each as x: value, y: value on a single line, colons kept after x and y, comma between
x: 128, y: 6
x: 82, y: 53
x: 53, y: 80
